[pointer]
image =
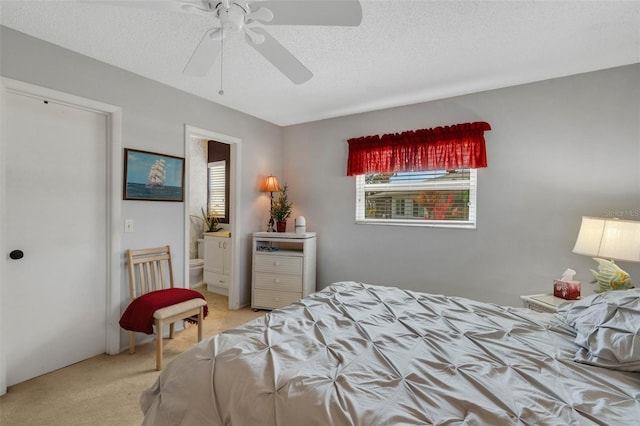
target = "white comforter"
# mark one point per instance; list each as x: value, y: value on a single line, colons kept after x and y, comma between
x: 355, y: 354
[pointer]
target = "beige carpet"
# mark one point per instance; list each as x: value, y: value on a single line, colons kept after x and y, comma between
x: 104, y: 390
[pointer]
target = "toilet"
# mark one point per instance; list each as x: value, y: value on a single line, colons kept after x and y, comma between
x: 196, y: 267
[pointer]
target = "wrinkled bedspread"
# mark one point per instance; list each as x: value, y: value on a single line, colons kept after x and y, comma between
x: 356, y: 354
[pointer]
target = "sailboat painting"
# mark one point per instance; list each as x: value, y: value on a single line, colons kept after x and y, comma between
x: 153, y: 177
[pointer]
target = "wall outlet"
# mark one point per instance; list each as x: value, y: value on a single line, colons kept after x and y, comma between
x: 128, y: 225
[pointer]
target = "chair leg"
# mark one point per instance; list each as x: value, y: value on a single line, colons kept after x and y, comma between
x: 159, y: 345
x: 200, y: 320
x: 171, y: 330
x: 132, y: 342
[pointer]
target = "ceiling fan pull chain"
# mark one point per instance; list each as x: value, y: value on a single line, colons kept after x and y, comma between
x: 221, y: 92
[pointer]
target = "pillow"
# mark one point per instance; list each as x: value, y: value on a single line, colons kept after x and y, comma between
x: 607, y: 328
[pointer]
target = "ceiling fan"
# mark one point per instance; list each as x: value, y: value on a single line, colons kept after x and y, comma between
x: 238, y: 16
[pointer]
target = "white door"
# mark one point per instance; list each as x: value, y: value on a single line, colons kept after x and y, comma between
x: 54, y: 306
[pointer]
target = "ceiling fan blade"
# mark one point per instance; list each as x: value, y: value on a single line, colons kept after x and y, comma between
x: 261, y: 15
x: 313, y: 12
x: 184, y: 6
x: 205, y: 55
x: 280, y: 57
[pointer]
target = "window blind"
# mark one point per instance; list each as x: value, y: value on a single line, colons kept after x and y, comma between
x: 217, y: 184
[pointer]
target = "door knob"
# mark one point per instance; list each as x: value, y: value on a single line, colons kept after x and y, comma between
x: 16, y: 254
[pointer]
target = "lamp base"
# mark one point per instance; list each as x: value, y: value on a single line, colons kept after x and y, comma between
x: 270, y: 226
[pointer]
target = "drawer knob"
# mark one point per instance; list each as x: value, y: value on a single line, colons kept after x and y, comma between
x: 277, y: 280
x: 276, y: 263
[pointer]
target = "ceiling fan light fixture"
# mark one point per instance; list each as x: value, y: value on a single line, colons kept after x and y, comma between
x: 216, y: 34
x: 232, y: 18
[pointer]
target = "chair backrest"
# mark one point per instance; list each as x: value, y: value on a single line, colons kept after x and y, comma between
x: 149, y: 269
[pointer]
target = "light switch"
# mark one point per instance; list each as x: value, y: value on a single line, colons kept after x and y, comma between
x: 128, y: 225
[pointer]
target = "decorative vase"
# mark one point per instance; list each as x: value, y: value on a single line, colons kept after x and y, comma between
x: 281, y: 226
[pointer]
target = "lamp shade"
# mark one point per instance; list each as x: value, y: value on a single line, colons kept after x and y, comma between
x: 609, y: 238
x: 271, y: 184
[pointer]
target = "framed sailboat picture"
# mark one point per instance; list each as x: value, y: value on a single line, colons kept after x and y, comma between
x: 153, y: 177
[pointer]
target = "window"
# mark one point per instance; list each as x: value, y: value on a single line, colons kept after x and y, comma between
x: 424, y: 177
x: 217, y: 187
x: 444, y: 198
x: 219, y: 155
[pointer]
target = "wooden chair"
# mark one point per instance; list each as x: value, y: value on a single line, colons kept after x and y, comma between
x: 151, y: 272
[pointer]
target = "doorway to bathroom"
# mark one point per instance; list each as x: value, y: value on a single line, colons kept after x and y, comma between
x: 198, y: 204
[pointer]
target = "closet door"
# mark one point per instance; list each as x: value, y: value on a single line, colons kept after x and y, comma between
x: 54, y: 307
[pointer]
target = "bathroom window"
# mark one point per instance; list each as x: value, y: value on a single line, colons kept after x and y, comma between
x: 218, y: 161
x: 217, y: 188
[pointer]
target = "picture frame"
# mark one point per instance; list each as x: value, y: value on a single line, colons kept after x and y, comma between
x: 150, y: 176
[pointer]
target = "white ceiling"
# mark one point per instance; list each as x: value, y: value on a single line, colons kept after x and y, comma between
x: 404, y: 51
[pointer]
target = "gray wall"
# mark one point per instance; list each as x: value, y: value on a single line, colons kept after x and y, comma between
x: 559, y: 149
x: 153, y: 119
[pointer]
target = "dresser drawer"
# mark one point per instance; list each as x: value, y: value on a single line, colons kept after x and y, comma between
x: 218, y: 280
x: 273, y: 299
x: 278, y: 264
x: 291, y: 283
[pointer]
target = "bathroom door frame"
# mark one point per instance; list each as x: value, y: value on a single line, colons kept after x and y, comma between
x: 190, y: 133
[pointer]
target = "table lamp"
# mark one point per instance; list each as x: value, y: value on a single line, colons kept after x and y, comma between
x: 606, y: 240
x: 271, y: 185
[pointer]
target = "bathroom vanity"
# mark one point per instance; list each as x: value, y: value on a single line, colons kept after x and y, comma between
x: 217, y: 262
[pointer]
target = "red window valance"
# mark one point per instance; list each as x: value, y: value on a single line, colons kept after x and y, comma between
x: 460, y: 146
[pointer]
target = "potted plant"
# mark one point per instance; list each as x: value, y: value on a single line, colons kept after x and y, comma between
x: 281, y: 210
x: 210, y: 221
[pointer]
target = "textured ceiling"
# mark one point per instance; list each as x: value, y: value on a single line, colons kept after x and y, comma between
x: 403, y: 52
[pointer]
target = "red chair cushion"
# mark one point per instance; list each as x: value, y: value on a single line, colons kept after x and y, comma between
x: 139, y: 314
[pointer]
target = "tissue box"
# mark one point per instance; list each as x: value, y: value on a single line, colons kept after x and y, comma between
x: 569, y: 290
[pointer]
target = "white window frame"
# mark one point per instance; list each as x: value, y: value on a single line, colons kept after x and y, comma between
x: 471, y: 185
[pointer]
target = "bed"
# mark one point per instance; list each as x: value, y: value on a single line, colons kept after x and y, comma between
x: 358, y: 354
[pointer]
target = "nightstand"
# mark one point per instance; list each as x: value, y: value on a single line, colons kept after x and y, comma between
x: 543, y: 302
x: 284, y: 268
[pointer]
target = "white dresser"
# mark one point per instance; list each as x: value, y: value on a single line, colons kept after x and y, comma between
x: 217, y: 263
x: 284, y: 268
